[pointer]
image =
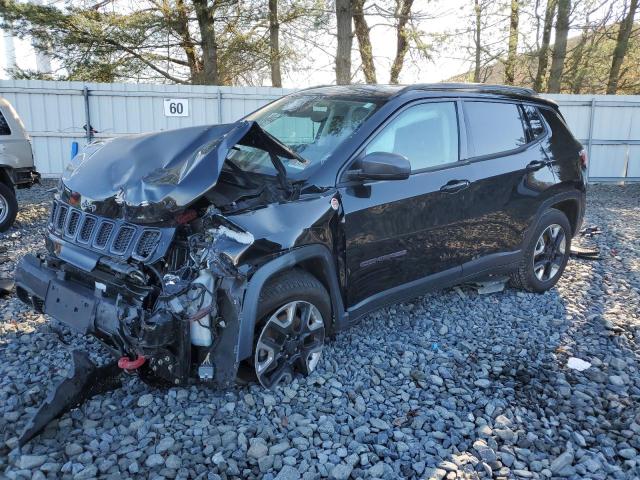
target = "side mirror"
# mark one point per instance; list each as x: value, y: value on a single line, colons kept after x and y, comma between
x: 383, y: 166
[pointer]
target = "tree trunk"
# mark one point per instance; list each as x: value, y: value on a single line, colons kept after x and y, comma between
x: 560, y: 46
x: 364, y: 41
x: 543, y: 54
x: 477, y: 39
x: 186, y: 41
x: 404, y: 11
x: 622, y: 44
x: 509, y: 68
x: 205, y: 17
x: 345, y: 39
x: 274, y: 44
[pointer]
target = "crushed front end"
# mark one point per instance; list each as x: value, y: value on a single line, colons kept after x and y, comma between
x: 164, y: 300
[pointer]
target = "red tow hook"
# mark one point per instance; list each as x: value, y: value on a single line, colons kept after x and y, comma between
x: 127, y: 364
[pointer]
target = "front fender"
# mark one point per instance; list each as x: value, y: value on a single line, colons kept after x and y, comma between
x: 284, y: 262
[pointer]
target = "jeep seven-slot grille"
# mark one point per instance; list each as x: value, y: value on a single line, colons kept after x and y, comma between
x: 114, y: 236
x: 147, y: 243
x: 123, y: 239
x: 61, y: 217
x: 72, y: 224
x: 54, y: 210
x: 103, y: 235
x: 88, y: 225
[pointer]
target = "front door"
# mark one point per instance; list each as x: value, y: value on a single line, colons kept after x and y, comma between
x: 400, y: 231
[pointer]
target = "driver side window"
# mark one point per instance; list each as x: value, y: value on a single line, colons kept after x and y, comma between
x: 426, y: 134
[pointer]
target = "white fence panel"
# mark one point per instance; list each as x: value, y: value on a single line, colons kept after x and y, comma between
x: 609, y: 127
x: 55, y: 114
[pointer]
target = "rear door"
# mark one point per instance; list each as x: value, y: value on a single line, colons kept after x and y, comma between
x: 511, y: 170
x: 400, y: 231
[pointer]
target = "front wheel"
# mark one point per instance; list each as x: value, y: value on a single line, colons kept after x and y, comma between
x: 294, y: 310
x: 8, y: 207
x: 546, y: 255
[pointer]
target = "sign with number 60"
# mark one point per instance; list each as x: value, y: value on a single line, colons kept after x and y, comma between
x: 176, y: 107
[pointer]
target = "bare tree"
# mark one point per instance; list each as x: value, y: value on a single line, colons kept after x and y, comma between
x: 364, y: 41
x: 403, y: 13
x: 205, y: 17
x: 622, y: 44
x: 179, y: 19
x: 274, y: 44
x: 543, y: 52
x: 345, y: 40
x: 560, y: 46
x: 477, y: 39
x: 510, y: 66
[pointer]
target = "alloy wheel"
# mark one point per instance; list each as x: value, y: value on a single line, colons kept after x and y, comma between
x: 291, y: 341
x: 4, y: 208
x: 549, y: 252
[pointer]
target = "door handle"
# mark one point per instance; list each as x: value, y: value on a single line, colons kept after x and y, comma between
x: 536, y: 165
x: 454, y: 186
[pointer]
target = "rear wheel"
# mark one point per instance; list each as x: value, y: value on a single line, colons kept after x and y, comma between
x: 546, y: 255
x: 294, y: 310
x: 8, y: 207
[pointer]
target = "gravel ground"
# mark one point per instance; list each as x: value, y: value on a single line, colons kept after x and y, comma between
x: 451, y: 385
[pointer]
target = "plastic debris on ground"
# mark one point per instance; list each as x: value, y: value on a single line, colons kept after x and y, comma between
x: 586, y: 252
x: 590, y: 231
x: 490, y: 286
x: 578, y: 364
x: 6, y: 286
x: 584, y: 246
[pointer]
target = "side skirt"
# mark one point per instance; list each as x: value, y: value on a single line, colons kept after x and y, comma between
x: 491, y: 265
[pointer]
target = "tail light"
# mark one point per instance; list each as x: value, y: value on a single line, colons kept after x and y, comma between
x: 584, y: 158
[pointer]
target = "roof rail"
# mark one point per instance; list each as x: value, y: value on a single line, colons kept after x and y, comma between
x: 477, y: 87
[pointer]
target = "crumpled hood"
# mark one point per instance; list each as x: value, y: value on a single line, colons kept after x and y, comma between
x: 147, y: 178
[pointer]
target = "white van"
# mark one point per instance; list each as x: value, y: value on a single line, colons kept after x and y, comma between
x: 16, y: 163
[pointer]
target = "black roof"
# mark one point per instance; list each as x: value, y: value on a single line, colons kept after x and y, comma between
x: 388, y: 91
x: 475, y: 88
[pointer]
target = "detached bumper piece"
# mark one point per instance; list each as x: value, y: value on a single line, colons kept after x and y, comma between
x: 84, y: 381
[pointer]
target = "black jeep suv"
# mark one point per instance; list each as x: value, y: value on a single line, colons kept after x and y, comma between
x: 210, y: 253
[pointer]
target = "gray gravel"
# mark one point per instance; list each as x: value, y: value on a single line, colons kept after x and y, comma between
x: 451, y: 385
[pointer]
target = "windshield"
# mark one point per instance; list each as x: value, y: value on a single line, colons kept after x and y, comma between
x: 313, y: 126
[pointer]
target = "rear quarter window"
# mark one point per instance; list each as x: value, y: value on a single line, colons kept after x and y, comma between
x: 4, y: 126
x: 559, y: 130
x: 494, y: 127
x: 534, y: 120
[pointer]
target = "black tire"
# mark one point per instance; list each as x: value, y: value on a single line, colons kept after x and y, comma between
x: 525, y: 276
x: 8, y: 200
x: 293, y: 286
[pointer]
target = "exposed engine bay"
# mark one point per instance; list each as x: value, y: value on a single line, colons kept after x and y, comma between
x: 149, y: 257
x: 159, y: 302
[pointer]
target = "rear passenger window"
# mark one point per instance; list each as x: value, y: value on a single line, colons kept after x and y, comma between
x: 4, y: 126
x: 536, y: 126
x: 426, y: 134
x: 494, y: 127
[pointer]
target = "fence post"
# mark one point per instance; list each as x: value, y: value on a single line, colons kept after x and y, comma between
x: 87, y: 116
x: 592, y: 112
x: 219, y: 106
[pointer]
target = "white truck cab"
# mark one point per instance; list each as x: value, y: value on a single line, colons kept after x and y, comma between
x: 16, y: 163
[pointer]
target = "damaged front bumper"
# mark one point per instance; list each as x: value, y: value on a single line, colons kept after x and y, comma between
x: 160, y: 340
